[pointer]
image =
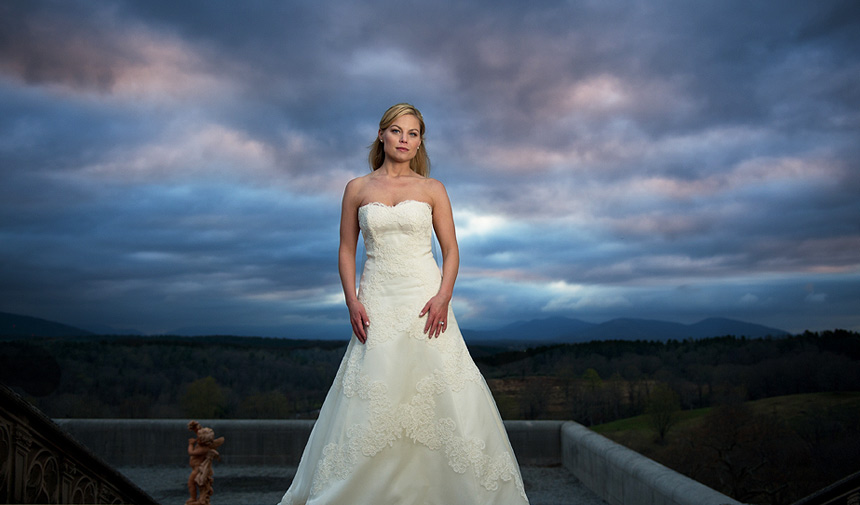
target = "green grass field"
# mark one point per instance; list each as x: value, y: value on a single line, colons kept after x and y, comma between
x: 787, y: 407
x: 637, y: 433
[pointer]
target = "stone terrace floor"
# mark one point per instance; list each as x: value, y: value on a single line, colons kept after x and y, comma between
x: 260, y: 485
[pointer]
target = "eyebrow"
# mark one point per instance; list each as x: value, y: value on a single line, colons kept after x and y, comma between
x: 395, y: 125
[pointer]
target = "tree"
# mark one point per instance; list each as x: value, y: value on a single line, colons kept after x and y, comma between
x: 204, y: 399
x: 594, y: 397
x: 270, y: 405
x: 663, y: 410
x: 535, y: 399
x: 751, y: 457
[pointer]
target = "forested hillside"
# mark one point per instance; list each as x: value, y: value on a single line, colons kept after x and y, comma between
x: 699, y: 402
x: 600, y: 381
x: 239, y: 377
x: 171, y: 377
x: 772, y: 451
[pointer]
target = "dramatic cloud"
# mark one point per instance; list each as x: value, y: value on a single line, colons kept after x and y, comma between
x: 173, y: 165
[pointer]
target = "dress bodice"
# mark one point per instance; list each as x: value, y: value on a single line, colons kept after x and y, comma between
x: 397, y: 238
x: 399, y: 266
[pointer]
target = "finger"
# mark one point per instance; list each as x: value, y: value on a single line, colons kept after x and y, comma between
x: 359, y: 329
x: 366, y: 323
x: 428, y: 325
x: 424, y: 310
x: 434, y: 331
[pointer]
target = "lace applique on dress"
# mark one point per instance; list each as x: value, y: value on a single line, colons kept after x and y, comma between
x: 415, y: 420
x: 397, y: 240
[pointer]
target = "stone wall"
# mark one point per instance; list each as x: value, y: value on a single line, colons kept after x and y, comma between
x: 624, y: 477
x: 616, y: 474
x: 164, y: 442
x: 157, y: 442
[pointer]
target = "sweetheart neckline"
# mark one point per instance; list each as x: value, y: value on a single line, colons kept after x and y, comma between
x: 380, y: 204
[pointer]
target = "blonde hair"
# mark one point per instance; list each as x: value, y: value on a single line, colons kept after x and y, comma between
x: 420, y: 164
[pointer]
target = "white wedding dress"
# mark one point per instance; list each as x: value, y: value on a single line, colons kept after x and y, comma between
x: 408, y: 420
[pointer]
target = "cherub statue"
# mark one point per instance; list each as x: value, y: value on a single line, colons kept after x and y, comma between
x: 201, y: 452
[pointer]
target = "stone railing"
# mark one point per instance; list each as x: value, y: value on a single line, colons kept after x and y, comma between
x: 40, y: 463
x: 624, y: 477
x: 614, y: 473
x: 162, y: 442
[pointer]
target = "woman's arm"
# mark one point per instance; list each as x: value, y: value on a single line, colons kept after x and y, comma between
x: 346, y: 260
x: 443, y: 223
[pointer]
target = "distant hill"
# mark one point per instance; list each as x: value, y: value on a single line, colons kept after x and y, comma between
x: 646, y: 329
x: 719, y: 326
x: 103, y: 329
x: 536, y: 331
x: 13, y: 325
x: 339, y: 331
x: 548, y: 329
x: 562, y: 329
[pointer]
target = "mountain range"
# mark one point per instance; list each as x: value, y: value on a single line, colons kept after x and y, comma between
x: 14, y: 325
x: 566, y: 330
x: 547, y: 330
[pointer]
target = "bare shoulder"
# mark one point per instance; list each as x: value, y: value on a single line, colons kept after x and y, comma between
x: 353, y: 190
x: 436, y: 190
x: 355, y: 186
x: 434, y: 186
x: 359, y: 181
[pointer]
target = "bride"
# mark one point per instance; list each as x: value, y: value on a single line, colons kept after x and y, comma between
x: 409, y: 419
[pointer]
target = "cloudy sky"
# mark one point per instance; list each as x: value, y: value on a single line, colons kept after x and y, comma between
x: 170, y: 165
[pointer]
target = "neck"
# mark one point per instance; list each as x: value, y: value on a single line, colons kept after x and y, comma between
x: 392, y: 169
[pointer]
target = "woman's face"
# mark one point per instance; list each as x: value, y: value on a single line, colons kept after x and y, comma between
x: 400, y: 141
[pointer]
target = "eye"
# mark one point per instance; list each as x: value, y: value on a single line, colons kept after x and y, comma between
x: 395, y: 130
x: 413, y: 134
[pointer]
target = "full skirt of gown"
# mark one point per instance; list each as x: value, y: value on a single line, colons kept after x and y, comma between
x: 409, y: 420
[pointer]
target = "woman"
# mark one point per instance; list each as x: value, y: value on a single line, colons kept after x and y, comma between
x: 409, y: 418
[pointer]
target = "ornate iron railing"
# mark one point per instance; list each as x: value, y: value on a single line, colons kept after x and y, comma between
x: 844, y: 492
x: 40, y: 463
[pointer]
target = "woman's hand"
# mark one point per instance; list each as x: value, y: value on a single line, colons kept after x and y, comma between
x: 358, y: 319
x: 436, y: 311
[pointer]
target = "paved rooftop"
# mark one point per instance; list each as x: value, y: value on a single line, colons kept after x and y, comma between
x: 259, y: 485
